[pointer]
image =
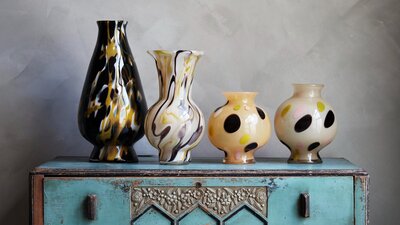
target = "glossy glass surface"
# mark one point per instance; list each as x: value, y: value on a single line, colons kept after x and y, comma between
x: 305, y: 123
x: 174, y: 124
x: 112, y: 106
x: 239, y: 127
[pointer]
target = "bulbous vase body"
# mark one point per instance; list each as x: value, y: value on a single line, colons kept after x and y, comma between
x: 239, y: 128
x: 174, y: 124
x: 112, y: 107
x: 305, y: 123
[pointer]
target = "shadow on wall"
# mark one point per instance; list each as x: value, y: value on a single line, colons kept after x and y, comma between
x: 39, y: 113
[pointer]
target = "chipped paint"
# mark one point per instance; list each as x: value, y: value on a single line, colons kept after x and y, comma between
x: 61, y: 195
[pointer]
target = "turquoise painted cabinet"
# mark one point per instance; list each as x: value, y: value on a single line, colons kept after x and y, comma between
x: 71, y: 191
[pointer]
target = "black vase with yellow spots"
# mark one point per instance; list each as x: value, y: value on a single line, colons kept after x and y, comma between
x: 112, y: 107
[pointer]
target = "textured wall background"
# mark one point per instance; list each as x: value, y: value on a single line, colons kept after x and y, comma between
x: 352, y: 46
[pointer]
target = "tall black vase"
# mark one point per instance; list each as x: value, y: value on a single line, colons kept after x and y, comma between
x: 112, y: 107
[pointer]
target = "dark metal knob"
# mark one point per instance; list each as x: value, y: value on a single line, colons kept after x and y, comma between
x: 91, y: 205
x: 198, y: 185
x: 304, y: 205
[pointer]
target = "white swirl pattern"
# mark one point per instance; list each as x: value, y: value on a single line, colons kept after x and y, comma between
x: 174, y: 124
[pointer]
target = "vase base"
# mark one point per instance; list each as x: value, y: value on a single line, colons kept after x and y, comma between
x: 174, y: 163
x: 246, y: 161
x: 313, y: 161
x: 118, y: 154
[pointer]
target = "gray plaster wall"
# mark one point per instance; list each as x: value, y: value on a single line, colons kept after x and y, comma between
x: 351, y: 46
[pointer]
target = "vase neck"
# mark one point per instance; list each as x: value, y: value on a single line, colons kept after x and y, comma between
x: 307, y: 90
x: 245, y: 98
x: 112, y: 33
x: 175, y: 71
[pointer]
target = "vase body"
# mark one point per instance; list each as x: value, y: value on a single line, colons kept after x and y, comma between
x: 305, y: 123
x: 112, y: 106
x: 239, y: 127
x: 174, y: 124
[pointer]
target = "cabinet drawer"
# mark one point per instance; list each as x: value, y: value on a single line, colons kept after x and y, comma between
x: 195, y: 201
x: 331, y: 201
x: 65, y: 202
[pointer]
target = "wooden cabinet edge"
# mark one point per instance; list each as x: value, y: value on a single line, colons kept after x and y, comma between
x: 36, y: 214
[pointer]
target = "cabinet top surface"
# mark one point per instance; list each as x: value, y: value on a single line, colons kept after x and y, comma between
x: 149, y: 166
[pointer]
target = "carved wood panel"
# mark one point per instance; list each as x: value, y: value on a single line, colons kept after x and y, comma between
x: 218, y: 201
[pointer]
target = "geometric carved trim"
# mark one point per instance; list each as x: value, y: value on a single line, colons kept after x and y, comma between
x: 218, y: 200
x: 252, y: 216
x: 152, y: 213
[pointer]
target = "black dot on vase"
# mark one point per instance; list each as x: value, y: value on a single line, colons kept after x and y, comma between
x: 329, y: 119
x: 287, y: 146
x: 250, y: 147
x: 232, y: 123
x: 303, y: 123
x: 313, y: 146
x: 261, y: 113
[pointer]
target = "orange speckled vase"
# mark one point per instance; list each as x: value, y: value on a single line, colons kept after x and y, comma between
x: 239, y: 127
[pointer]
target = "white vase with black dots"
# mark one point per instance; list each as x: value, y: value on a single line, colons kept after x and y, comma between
x: 239, y: 127
x: 305, y: 123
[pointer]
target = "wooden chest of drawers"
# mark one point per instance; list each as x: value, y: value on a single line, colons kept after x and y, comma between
x: 72, y: 191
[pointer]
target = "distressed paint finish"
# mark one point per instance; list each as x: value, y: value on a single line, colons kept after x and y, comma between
x: 153, y: 216
x: 198, y: 217
x: 64, y: 199
x: 64, y: 202
x: 244, y: 216
x: 361, y: 199
x: 337, y: 189
x: 331, y: 201
x: 149, y: 166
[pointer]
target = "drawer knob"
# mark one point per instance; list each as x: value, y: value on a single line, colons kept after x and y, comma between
x: 91, y: 203
x: 304, y: 203
x: 198, y: 184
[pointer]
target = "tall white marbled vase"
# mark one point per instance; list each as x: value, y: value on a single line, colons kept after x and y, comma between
x: 174, y: 124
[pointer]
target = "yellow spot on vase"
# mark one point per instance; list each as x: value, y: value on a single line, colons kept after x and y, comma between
x: 236, y: 108
x: 164, y: 120
x: 173, y: 115
x: 244, y: 139
x: 285, y: 110
x: 321, y: 106
x: 111, y: 50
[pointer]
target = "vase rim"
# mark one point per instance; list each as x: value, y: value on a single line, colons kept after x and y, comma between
x: 195, y: 52
x: 115, y: 21
x: 240, y: 92
x: 308, y: 85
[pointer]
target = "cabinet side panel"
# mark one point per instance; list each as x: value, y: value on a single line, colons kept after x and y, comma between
x: 36, y: 200
x: 361, y: 199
